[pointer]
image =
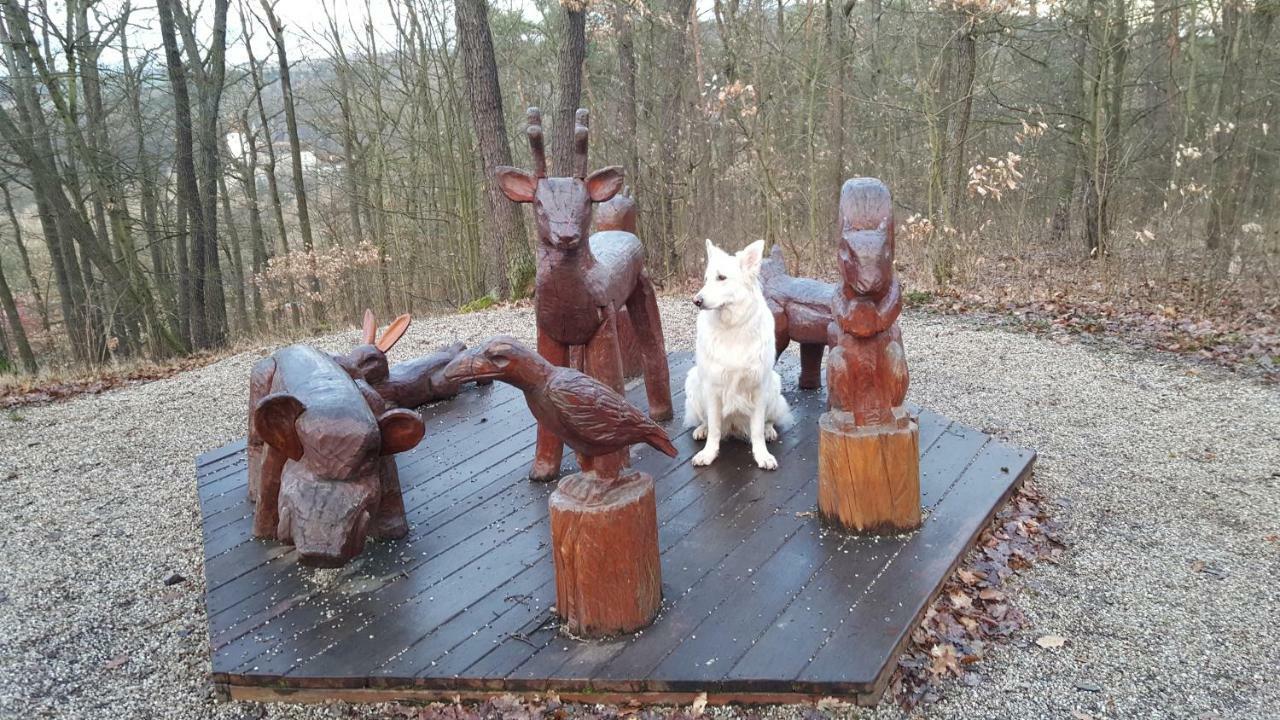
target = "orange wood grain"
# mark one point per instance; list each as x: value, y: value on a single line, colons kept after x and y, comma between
x: 605, y: 547
x: 869, y: 475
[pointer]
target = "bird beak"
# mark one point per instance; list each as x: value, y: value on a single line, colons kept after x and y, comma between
x: 471, y: 365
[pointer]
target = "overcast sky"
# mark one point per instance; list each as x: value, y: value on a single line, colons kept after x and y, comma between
x: 301, y: 18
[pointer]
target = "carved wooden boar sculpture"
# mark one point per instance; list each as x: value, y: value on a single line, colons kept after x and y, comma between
x: 320, y: 465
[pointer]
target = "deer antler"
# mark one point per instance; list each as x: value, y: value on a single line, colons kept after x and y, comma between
x: 535, y: 142
x: 581, y: 120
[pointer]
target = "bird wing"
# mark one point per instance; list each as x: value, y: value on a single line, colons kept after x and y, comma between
x: 599, y: 414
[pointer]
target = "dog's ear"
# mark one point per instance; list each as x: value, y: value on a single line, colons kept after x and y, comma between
x: 711, y: 249
x: 749, y: 257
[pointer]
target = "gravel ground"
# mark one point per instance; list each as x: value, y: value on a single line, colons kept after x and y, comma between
x: 1167, y: 479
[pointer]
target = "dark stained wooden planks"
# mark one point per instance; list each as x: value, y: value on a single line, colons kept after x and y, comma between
x: 760, y: 601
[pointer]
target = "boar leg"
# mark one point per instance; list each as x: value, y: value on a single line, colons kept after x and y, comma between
x: 266, y: 514
x: 260, y: 378
x: 811, y: 365
x: 389, y: 522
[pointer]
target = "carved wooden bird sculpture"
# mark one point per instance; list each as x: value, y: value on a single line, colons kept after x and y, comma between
x: 583, y: 412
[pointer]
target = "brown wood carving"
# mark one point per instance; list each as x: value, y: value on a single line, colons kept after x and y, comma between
x: 619, y: 213
x: 801, y: 310
x: 604, y: 522
x: 409, y: 384
x: 320, y: 465
x: 868, y: 466
x: 582, y: 282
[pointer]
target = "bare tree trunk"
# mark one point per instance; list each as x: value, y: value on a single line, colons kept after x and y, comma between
x: 295, y: 147
x: 42, y: 307
x: 15, y: 325
x: 627, y: 74
x: 675, y: 71
x: 961, y: 101
x: 1072, y: 157
x: 188, y: 190
x: 573, y: 53
x: 512, y: 260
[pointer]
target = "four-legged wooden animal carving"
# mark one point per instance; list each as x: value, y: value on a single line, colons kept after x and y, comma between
x: 409, y: 384
x: 868, y: 445
x: 320, y: 465
x: 582, y: 282
x: 801, y: 310
x: 604, y: 526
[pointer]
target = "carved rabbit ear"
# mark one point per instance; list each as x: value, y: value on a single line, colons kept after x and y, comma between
x: 751, y: 255
x: 518, y: 185
x: 604, y: 183
x: 401, y: 430
x: 275, y: 418
x: 394, y: 332
x: 369, y: 329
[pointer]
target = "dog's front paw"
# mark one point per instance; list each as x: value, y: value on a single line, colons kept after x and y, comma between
x: 705, y: 457
x: 764, y: 459
x: 700, y: 432
x: 770, y: 433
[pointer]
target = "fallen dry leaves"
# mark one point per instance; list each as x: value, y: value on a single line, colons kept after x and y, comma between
x: 1244, y: 338
x: 42, y: 389
x: 972, y: 610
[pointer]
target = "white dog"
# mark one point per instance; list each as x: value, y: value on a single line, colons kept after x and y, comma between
x: 733, y: 389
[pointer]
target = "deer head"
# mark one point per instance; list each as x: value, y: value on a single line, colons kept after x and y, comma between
x: 561, y: 205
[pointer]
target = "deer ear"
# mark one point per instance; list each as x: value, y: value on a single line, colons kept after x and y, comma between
x: 604, y: 183
x: 401, y: 430
x: 275, y: 418
x: 395, y: 331
x: 369, y: 328
x: 518, y: 185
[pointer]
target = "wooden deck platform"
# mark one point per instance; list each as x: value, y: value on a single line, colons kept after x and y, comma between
x: 761, y: 602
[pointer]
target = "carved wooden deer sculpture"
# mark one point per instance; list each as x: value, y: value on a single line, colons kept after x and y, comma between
x: 582, y: 282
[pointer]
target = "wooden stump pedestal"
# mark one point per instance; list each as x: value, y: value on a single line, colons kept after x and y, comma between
x: 869, y: 475
x: 605, y: 547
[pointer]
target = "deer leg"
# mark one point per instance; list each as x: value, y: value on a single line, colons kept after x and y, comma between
x: 604, y: 363
x: 642, y: 306
x: 811, y: 365
x: 266, y: 513
x: 546, y: 460
x: 603, y: 356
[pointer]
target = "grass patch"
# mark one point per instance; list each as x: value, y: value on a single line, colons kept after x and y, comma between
x: 481, y: 303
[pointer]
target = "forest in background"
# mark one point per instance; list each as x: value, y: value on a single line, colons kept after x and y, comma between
x: 160, y: 199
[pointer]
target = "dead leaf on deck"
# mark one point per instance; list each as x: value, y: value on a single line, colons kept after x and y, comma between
x: 699, y: 704
x: 1051, y: 641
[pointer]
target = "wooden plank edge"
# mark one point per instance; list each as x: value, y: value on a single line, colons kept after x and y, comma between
x: 280, y: 693
x: 881, y: 683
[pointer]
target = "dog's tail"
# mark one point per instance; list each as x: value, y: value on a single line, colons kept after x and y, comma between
x: 779, y: 409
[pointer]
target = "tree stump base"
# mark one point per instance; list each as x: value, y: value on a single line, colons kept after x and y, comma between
x: 869, y: 475
x: 604, y: 540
